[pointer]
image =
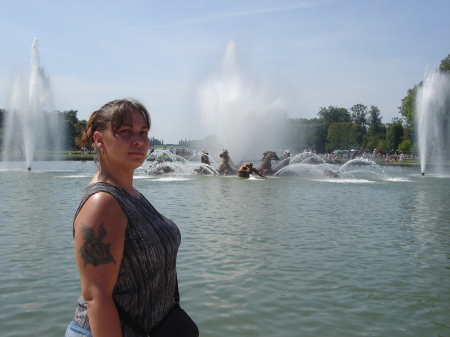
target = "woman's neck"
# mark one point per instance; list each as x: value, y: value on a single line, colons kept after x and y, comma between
x: 117, y: 178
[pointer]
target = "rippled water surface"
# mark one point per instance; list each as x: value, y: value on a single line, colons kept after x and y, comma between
x: 286, y: 256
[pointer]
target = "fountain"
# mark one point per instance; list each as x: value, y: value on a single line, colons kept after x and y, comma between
x: 433, y: 119
x: 27, y: 123
x: 242, y: 114
x: 164, y: 161
x: 308, y: 163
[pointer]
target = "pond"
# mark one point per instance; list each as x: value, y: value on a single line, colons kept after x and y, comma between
x: 300, y: 255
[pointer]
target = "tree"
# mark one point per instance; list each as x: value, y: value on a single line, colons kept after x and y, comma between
x: 359, y: 118
x: 445, y: 64
x: 334, y: 114
x: 70, y: 134
x: 394, y: 136
x: 342, y: 136
x: 2, y: 117
x: 68, y: 115
x: 306, y: 134
x: 408, y: 106
x: 79, y: 128
x: 375, y: 124
x: 358, y: 115
x: 376, y: 133
x: 2, y: 124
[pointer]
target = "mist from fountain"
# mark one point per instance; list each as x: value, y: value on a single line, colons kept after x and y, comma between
x: 27, y: 125
x: 308, y: 163
x: 164, y: 161
x: 240, y: 112
x: 433, y: 119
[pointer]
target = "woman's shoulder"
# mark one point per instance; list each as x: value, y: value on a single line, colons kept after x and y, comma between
x: 101, y: 200
x: 101, y: 208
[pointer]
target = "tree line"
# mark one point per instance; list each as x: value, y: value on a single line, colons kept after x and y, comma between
x: 68, y: 124
x: 359, y: 127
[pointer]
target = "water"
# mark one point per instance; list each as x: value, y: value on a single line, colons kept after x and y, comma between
x: 242, y: 111
x: 433, y: 123
x: 283, y: 256
x: 29, y: 128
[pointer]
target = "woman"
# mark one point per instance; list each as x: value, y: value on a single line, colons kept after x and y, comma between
x: 124, y: 249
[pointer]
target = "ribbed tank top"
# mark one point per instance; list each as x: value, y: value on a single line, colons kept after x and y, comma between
x: 146, y: 282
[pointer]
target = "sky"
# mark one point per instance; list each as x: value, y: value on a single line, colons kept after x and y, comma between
x: 308, y: 53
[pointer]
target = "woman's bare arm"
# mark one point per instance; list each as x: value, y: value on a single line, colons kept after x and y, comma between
x: 99, y: 241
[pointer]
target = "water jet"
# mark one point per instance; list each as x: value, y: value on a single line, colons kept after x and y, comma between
x: 241, y: 111
x: 27, y: 116
x: 433, y: 122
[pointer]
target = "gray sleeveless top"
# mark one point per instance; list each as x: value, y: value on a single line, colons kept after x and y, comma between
x: 146, y: 283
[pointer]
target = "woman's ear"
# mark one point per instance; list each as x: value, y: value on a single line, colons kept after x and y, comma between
x: 98, y: 140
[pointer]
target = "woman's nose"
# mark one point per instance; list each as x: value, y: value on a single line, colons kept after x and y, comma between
x: 138, y: 138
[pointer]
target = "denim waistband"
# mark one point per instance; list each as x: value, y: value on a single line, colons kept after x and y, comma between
x: 74, y: 330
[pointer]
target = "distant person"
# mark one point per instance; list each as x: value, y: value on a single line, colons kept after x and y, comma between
x: 125, y: 249
x: 247, y: 169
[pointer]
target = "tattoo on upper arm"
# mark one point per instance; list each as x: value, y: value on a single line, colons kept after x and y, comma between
x: 94, y: 251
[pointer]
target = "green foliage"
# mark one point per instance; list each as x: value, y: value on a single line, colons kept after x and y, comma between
x: 70, y: 134
x: 359, y: 115
x: 334, y: 114
x: 306, y: 134
x: 68, y: 115
x: 407, y: 109
x: 79, y: 128
x: 343, y: 136
x: 335, y: 127
x: 2, y: 121
x: 394, y: 136
x: 445, y: 64
x: 404, y: 146
x: 381, y: 145
x: 374, y: 120
x: 2, y: 117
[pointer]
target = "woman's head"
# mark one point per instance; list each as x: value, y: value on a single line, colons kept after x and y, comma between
x: 113, y: 114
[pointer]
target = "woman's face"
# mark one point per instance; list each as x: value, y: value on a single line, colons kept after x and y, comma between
x: 128, y: 147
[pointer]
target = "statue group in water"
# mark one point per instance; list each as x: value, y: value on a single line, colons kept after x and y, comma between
x: 226, y: 166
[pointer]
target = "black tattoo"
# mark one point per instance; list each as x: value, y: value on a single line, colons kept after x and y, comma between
x: 94, y: 251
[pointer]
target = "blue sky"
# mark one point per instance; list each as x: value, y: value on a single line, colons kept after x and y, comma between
x: 310, y: 53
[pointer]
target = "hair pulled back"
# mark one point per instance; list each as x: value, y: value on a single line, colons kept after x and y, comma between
x: 116, y: 113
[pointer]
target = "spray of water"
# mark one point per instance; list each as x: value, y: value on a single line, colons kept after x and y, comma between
x: 242, y: 114
x: 27, y: 123
x: 433, y: 118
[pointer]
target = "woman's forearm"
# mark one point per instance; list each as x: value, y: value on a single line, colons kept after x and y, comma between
x: 103, y: 318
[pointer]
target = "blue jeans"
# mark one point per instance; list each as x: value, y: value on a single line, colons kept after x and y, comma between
x: 75, y: 330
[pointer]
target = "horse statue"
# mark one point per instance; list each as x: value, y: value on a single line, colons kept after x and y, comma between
x: 266, y: 166
x: 330, y: 173
x: 285, y: 160
x: 159, y: 167
x: 205, y: 166
x: 225, y: 166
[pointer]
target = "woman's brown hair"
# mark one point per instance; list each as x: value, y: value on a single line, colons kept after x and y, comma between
x: 114, y: 112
